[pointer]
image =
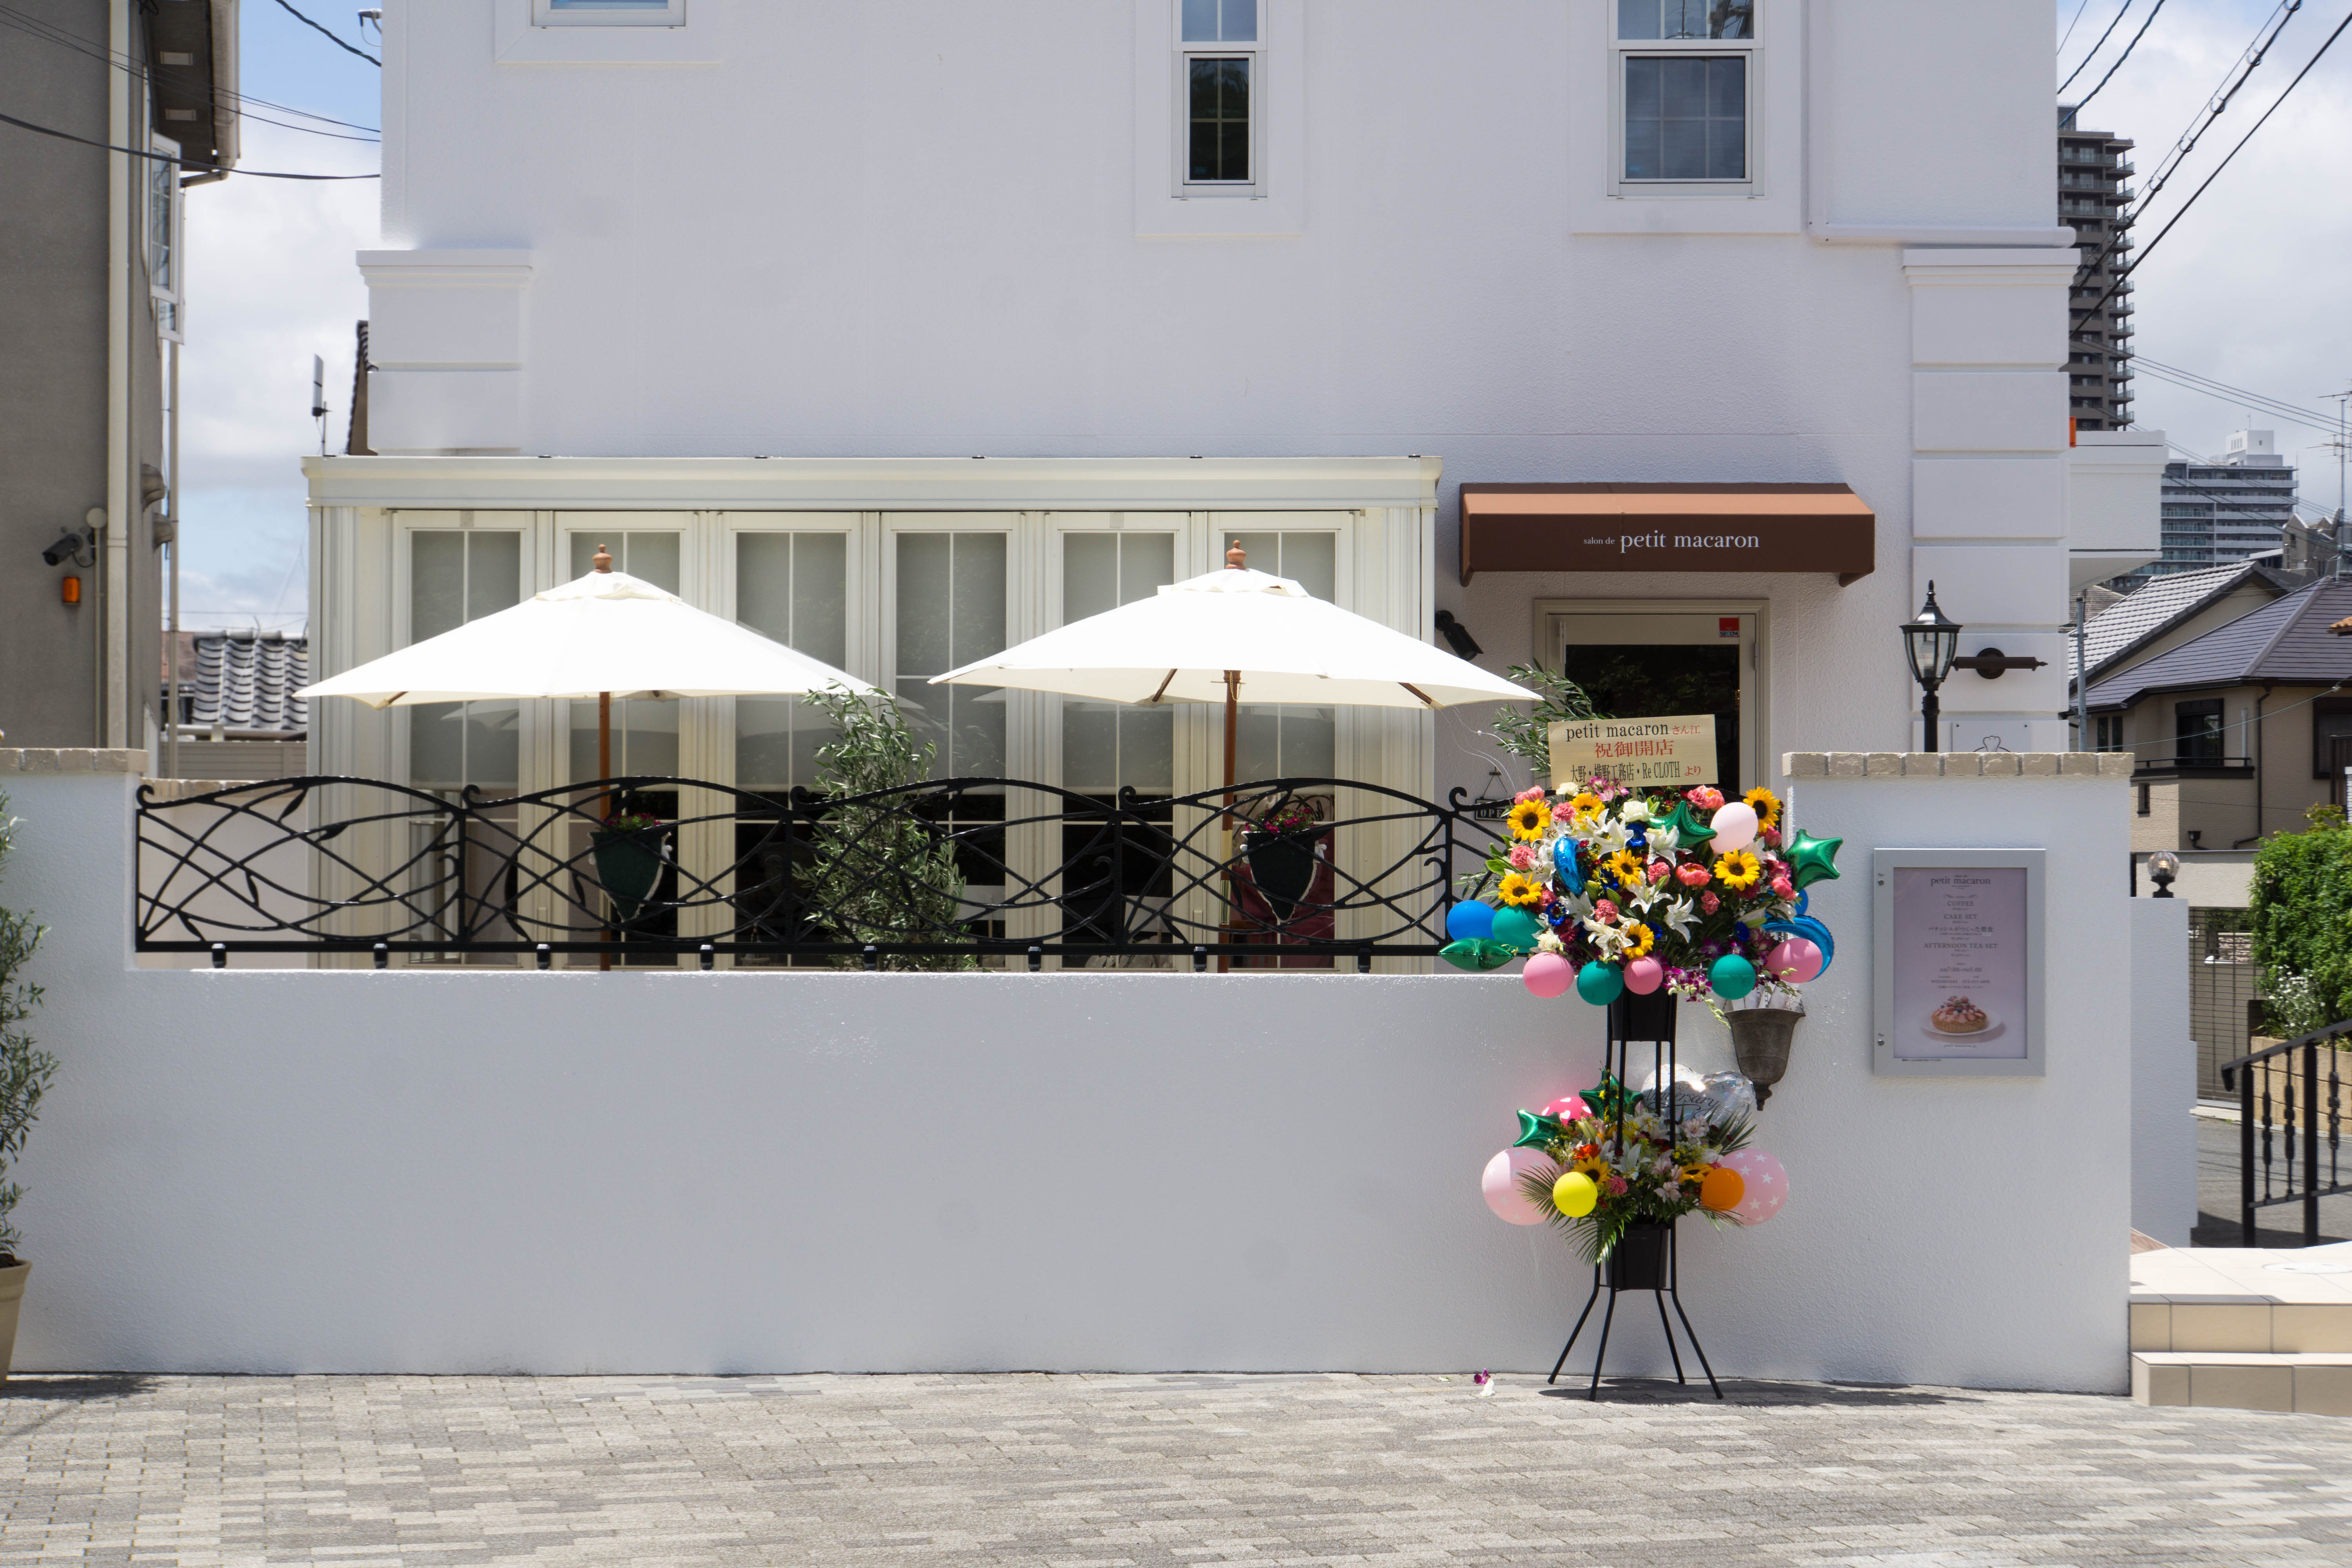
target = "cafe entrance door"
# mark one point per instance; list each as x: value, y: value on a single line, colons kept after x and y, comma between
x: 1638, y: 659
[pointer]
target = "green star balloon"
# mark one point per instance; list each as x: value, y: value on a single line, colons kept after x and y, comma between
x: 1690, y: 828
x: 1478, y: 952
x: 1535, y: 1131
x: 1812, y: 859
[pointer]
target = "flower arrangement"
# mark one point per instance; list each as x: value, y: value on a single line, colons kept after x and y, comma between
x: 631, y: 822
x: 1296, y: 815
x: 1612, y: 888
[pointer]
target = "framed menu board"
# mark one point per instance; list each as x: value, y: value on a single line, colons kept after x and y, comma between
x: 1958, y: 955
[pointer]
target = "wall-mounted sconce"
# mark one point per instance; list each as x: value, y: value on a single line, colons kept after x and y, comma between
x: 1991, y: 662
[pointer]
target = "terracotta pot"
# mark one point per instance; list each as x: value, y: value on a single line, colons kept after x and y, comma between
x: 12, y: 1297
x: 1760, y: 1038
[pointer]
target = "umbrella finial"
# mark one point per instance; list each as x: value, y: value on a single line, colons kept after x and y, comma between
x: 604, y: 562
x: 1235, y: 556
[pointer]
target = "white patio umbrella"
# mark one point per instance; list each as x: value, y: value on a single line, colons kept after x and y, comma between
x: 1214, y: 638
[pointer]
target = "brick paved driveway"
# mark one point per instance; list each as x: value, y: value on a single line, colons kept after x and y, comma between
x: 1076, y: 1471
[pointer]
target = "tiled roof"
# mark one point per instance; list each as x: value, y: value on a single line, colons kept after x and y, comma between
x: 2158, y: 605
x: 247, y: 681
x: 2286, y: 640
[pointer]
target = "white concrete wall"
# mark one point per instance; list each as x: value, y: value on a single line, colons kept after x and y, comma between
x: 2163, y: 1074
x: 323, y: 1171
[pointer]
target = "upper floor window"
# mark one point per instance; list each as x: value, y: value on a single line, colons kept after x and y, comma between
x: 1218, y: 60
x: 608, y: 13
x: 163, y: 236
x: 1684, y: 76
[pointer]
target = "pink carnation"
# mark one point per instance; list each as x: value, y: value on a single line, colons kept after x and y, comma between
x: 1616, y: 1185
x: 1549, y: 899
x: 1705, y: 797
x: 1709, y: 903
x: 1522, y: 856
x: 1771, y: 836
x: 1693, y: 875
x: 1658, y: 870
x: 1783, y: 889
x: 1605, y: 910
x: 1528, y: 794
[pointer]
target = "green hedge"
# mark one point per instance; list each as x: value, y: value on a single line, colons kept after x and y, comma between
x: 2302, y: 910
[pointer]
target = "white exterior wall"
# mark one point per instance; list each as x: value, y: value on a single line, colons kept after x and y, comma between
x: 2164, y: 1074
x: 835, y: 230
x: 312, y: 1171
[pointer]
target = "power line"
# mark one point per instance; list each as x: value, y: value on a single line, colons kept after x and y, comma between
x: 2224, y: 163
x: 370, y: 59
x: 2095, y: 50
x: 168, y: 158
x: 2220, y: 390
x: 2070, y: 27
x: 2120, y: 59
x: 189, y: 79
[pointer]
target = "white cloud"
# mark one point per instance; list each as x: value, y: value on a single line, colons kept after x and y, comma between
x: 2249, y: 288
x: 270, y: 282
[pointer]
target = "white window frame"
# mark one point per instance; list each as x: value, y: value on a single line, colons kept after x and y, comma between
x: 170, y: 302
x: 623, y: 14
x: 1623, y: 51
x: 1186, y: 187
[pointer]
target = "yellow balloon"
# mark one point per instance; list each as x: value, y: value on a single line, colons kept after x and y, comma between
x: 1721, y: 1189
x: 1574, y: 1195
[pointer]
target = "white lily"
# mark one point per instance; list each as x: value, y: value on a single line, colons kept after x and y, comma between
x: 1664, y: 841
x: 1676, y: 917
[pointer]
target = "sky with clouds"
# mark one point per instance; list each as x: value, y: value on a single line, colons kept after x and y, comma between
x: 2248, y: 289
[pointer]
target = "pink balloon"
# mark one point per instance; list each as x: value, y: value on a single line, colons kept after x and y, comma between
x: 1572, y: 1109
x: 1548, y: 974
x: 1768, y: 1186
x: 1797, y: 959
x: 1501, y: 1184
x: 1644, y: 976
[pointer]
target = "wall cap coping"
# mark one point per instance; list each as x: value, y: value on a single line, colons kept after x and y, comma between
x: 72, y: 760
x: 1955, y: 764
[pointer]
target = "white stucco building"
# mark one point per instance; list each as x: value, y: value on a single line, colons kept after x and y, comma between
x: 908, y: 329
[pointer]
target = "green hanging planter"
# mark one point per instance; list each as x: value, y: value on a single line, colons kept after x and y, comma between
x: 628, y: 866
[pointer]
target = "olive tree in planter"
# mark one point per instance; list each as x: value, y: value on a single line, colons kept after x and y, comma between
x: 880, y: 873
x: 25, y: 1073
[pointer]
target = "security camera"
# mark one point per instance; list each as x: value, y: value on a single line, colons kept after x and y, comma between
x: 69, y: 546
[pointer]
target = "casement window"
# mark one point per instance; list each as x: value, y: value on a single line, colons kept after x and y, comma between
x: 2109, y: 733
x: 1293, y: 740
x: 1685, y: 75
x: 456, y: 575
x: 1220, y: 73
x: 792, y: 585
x: 608, y: 13
x: 2197, y: 732
x: 163, y: 237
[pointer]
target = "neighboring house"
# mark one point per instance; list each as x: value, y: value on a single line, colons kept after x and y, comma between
x: 239, y: 714
x: 2161, y: 614
x: 1712, y: 331
x: 92, y: 312
x: 2237, y: 731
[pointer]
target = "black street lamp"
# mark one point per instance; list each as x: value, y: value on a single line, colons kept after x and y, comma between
x: 1931, y: 640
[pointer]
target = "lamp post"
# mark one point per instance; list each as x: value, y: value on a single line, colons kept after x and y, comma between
x: 1931, y: 640
x: 2162, y: 867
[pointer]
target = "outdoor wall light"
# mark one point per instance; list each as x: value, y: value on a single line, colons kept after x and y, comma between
x: 1989, y: 662
x: 1930, y: 639
x: 1457, y: 635
x: 2162, y: 867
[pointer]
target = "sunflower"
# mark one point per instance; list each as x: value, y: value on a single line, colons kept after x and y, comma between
x: 1529, y: 820
x: 1586, y: 805
x: 1521, y: 892
x: 1639, y: 938
x: 1627, y: 868
x: 1738, y: 871
x: 1766, y: 805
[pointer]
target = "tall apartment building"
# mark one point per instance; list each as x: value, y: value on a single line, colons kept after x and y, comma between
x: 2226, y: 511
x: 2092, y: 167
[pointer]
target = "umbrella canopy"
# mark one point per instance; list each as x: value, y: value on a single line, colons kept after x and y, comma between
x: 1287, y: 645
x: 604, y: 633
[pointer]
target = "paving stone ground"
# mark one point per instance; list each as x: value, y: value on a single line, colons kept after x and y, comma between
x: 1096, y: 1471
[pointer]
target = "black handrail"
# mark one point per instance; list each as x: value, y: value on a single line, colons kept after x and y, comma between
x: 2335, y: 1038
x: 334, y: 864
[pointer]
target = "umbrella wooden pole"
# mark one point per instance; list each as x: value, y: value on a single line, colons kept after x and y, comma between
x: 1232, y: 743
x: 605, y: 800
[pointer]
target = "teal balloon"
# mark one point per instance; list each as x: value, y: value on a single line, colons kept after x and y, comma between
x: 1517, y: 928
x: 1470, y: 922
x: 1732, y: 976
x: 1476, y: 953
x: 1600, y: 984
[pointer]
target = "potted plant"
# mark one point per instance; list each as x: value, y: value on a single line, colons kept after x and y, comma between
x: 629, y: 849
x: 25, y: 1073
x: 1280, y: 848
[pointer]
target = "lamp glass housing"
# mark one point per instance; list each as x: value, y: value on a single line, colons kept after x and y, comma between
x: 1932, y: 640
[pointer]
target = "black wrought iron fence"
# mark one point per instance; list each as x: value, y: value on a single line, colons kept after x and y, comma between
x: 950, y: 874
x: 2290, y: 1125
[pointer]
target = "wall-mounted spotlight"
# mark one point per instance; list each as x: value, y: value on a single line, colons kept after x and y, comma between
x: 1457, y: 635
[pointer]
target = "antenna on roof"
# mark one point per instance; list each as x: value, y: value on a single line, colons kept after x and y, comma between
x: 319, y: 399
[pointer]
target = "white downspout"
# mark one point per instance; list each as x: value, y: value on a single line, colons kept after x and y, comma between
x: 114, y: 580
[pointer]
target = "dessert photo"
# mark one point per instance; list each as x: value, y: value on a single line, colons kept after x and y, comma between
x: 1959, y: 1015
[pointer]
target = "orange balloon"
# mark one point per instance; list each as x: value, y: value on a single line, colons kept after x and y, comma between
x: 1721, y: 1189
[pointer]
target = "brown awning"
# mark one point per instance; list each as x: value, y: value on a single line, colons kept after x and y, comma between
x: 1667, y: 527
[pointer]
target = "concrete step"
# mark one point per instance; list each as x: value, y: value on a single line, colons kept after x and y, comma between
x: 2317, y: 1384
x: 2236, y: 1301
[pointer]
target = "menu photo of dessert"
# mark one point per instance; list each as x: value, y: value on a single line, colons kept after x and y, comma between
x: 1959, y: 962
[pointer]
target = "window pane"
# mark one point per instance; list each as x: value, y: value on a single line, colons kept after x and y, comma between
x: 1639, y: 18
x: 1220, y: 120
x: 1731, y: 19
x: 977, y: 628
x: 821, y: 597
x: 1241, y: 22
x: 1089, y: 574
x: 1312, y: 560
x: 1089, y: 747
x: 1147, y: 563
x: 951, y: 611
x: 652, y: 556
x: 1686, y: 118
x: 493, y: 574
x: 436, y: 584
x: 923, y: 564
x: 1727, y: 89
x: 1200, y: 21
x: 763, y: 584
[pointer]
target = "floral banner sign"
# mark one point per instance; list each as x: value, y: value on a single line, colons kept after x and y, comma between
x: 1664, y: 753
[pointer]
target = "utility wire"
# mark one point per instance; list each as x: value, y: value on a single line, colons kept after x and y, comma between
x: 2219, y: 391
x: 172, y: 75
x: 169, y: 158
x: 2070, y: 27
x: 370, y: 59
x: 2216, y: 175
x: 2095, y: 50
x: 2086, y: 97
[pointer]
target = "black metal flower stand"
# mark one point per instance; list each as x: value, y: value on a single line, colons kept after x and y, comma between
x: 1645, y: 1258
